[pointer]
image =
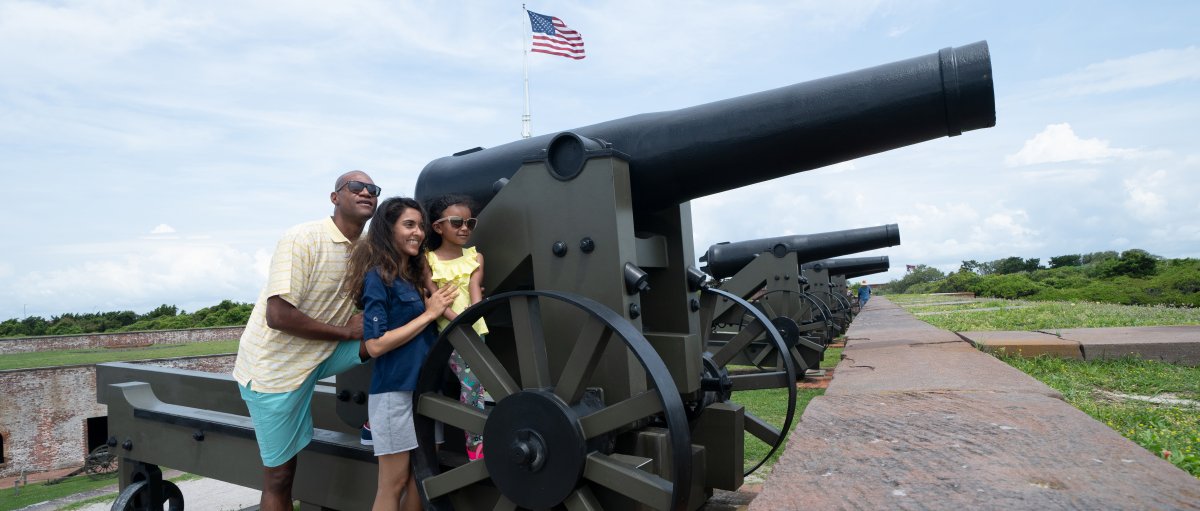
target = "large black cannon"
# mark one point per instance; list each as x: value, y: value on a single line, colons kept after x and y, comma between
x: 827, y: 283
x: 851, y: 267
x: 767, y: 273
x: 604, y: 394
x: 684, y: 154
x: 601, y: 212
x: 726, y: 259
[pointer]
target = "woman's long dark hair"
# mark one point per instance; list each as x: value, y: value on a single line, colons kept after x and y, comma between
x: 436, y: 207
x: 377, y: 249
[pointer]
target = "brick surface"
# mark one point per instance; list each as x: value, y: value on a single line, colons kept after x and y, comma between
x: 918, y: 419
x: 891, y: 351
x: 965, y: 450
x: 117, y: 340
x: 43, y: 412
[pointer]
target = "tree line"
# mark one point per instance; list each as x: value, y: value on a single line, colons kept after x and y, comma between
x: 1132, y: 277
x: 165, y: 317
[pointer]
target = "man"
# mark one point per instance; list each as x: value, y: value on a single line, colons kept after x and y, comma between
x: 864, y: 293
x: 302, y: 329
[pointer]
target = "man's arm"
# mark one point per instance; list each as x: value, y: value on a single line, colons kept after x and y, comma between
x: 286, y: 318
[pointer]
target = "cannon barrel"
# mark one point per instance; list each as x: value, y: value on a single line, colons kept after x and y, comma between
x: 852, y: 267
x: 679, y: 155
x: 725, y: 259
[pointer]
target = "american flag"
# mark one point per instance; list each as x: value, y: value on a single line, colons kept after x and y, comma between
x: 552, y: 36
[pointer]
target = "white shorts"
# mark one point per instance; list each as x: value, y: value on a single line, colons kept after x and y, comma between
x: 391, y: 416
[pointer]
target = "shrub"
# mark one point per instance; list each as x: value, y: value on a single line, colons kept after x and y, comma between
x: 1013, y: 285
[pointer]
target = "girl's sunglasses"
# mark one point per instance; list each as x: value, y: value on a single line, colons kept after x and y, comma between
x: 458, y: 221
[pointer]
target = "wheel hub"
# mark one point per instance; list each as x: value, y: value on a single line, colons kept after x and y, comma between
x: 534, y: 449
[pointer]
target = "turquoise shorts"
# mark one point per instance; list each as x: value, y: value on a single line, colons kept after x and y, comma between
x: 283, y: 421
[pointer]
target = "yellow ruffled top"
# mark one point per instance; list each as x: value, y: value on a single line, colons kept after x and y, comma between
x: 459, y: 272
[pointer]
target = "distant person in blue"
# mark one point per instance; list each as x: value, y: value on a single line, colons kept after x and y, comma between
x: 864, y: 293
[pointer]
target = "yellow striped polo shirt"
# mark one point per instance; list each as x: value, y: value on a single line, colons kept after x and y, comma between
x: 306, y: 271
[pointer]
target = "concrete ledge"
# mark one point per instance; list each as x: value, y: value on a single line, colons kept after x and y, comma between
x: 1026, y: 344
x: 1172, y: 344
x: 916, y: 418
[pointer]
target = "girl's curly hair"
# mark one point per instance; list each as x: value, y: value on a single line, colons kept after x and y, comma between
x: 377, y: 249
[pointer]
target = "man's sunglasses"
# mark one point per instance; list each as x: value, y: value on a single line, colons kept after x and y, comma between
x: 358, y: 186
x: 458, y: 221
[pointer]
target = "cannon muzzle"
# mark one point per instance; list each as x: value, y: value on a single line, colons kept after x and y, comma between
x: 851, y: 267
x: 679, y: 155
x: 725, y: 259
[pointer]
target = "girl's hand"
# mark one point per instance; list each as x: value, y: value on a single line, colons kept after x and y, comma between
x: 439, y: 300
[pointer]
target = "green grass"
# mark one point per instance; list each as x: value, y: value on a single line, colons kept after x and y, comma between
x: 41, y: 492
x: 1045, y: 316
x: 771, y: 405
x: 101, y: 355
x: 111, y: 497
x: 1169, y: 431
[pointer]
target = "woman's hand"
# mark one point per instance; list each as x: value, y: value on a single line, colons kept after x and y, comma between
x: 439, y: 300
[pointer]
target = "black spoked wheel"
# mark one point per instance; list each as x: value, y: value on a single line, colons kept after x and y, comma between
x: 101, y: 463
x: 552, y: 439
x: 806, y: 340
x: 843, y: 312
x: 737, y: 362
x: 136, y: 497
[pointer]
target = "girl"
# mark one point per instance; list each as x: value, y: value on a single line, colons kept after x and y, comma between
x: 385, y: 269
x: 451, y: 262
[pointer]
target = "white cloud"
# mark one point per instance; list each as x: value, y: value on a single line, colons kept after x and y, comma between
x: 162, y: 229
x: 1147, y: 69
x: 1058, y: 143
x: 1143, y: 201
x: 144, y: 275
x: 1007, y: 224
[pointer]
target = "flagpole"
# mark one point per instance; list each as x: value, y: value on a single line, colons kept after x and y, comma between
x: 525, y: 128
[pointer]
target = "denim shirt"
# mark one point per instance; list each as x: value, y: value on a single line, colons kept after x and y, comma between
x: 385, y: 308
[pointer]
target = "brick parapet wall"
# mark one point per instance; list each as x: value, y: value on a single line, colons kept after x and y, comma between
x: 117, y: 339
x: 43, y: 411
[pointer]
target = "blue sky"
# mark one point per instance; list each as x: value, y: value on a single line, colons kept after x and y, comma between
x: 152, y: 152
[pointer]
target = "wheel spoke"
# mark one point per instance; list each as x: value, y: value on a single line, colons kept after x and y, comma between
x: 762, y: 430
x: 809, y: 344
x: 801, y: 366
x: 582, y: 500
x: 762, y: 355
x: 588, y: 347
x: 452, y: 412
x: 759, y: 381
x: 625, y: 412
x: 455, y: 479
x: 766, y: 308
x: 737, y: 344
x: 530, y: 342
x: 483, y: 362
x: 643, y: 487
